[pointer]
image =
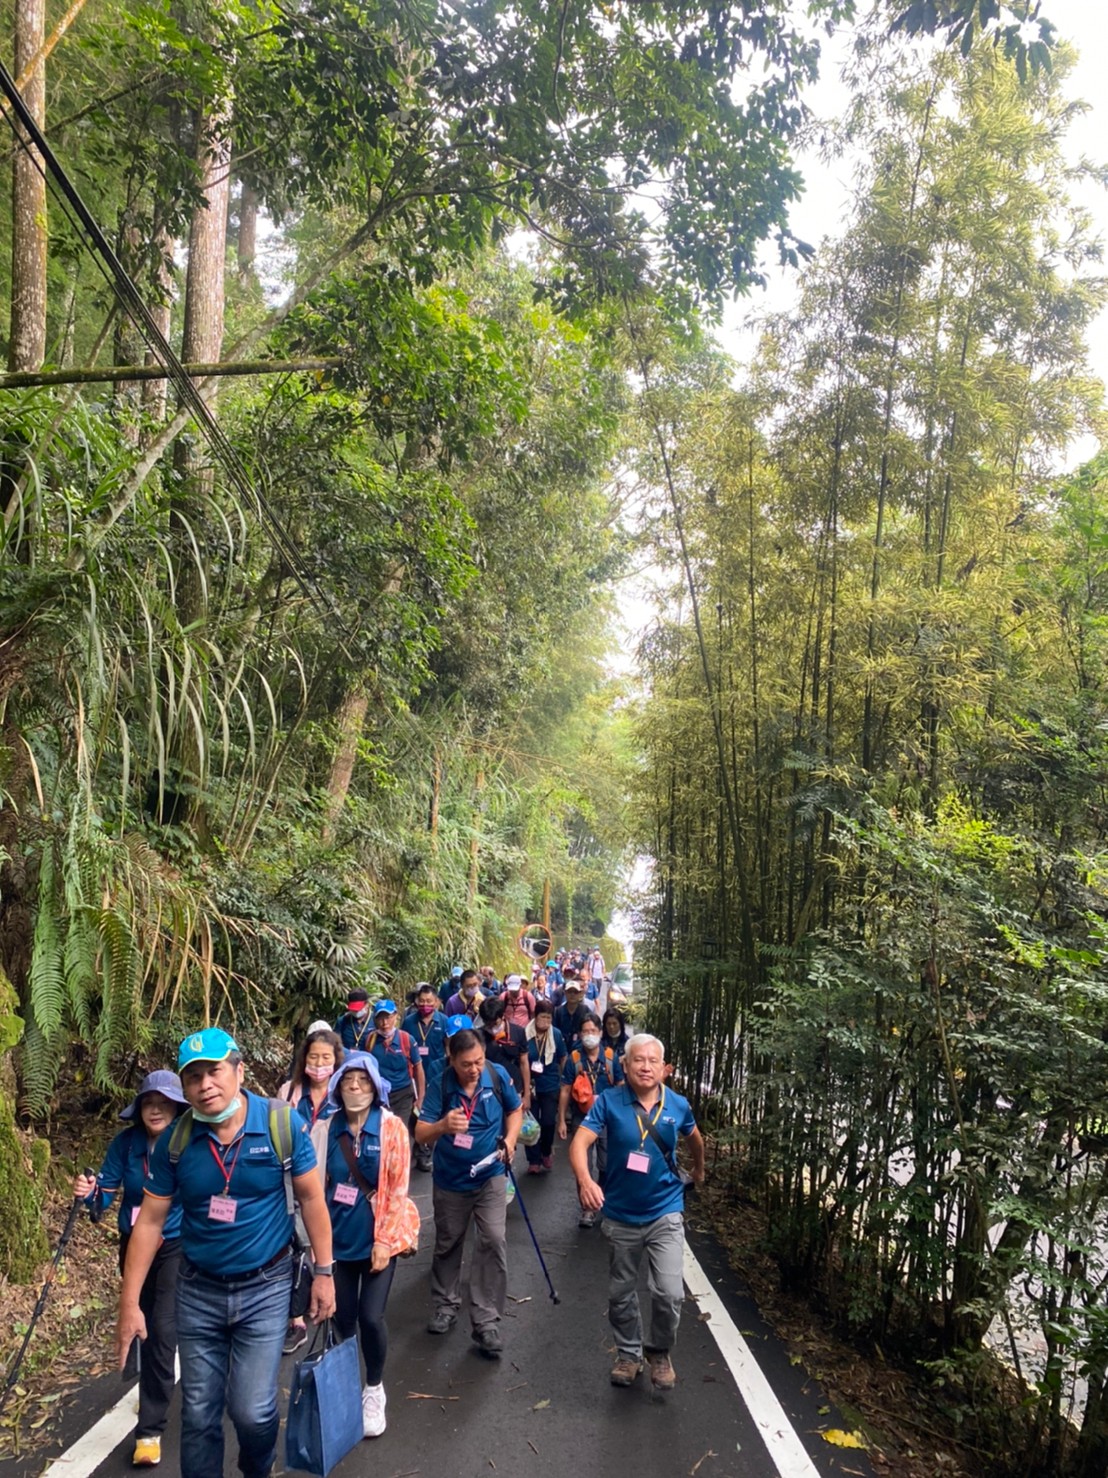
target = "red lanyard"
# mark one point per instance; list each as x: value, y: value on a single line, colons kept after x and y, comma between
x: 225, y: 1170
x: 469, y: 1104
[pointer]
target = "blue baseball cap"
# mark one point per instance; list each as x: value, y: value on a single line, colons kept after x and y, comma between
x: 456, y: 973
x: 162, y: 1081
x: 458, y: 1024
x: 384, y: 1006
x: 213, y: 1044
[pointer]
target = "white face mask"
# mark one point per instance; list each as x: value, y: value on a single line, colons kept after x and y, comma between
x: 590, y: 1041
x: 354, y: 1100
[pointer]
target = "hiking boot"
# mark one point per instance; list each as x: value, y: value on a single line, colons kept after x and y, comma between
x: 442, y: 1321
x: 296, y: 1336
x: 148, y: 1452
x: 663, y: 1377
x: 587, y: 1219
x: 625, y: 1371
x: 488, y: 1341
x: 373, y: 1411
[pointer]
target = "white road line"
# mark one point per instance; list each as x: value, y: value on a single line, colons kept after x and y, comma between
x: 785, y: 1448
x: 99, y: 1442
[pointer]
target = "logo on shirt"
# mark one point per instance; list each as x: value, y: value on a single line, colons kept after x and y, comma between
x: 259, y: 1149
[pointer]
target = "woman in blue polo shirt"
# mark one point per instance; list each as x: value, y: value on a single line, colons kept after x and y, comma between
x: 363, y: 1156
x: 467, y: 1113
x: 154, y: 1107
x: 320, y: 1053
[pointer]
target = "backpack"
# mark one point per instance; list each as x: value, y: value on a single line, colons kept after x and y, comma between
x: 583, y: 1091
x: 280, y: 1137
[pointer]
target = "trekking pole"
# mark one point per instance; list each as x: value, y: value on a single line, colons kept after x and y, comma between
x: 52, y: 1272
x: 538, y: 1250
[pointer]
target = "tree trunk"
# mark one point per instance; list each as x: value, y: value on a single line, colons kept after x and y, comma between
x: 248, y: 232
x: 154, y: 391
x: 27, y: 344
x: 475, y: 839
x: 350, y: 722
x: 202, y: 341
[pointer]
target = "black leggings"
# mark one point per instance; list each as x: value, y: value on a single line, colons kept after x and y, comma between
x: 360, y: 1299
x: 158, y: 1302
x: 544, y: 1106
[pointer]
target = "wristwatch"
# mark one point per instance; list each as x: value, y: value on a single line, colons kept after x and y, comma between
x: 323, y: 1270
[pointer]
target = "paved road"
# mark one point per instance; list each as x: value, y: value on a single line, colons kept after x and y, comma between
x: 547, y: 1410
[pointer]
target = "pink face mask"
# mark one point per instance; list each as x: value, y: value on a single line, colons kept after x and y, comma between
x: 319, y: 1074
x: 426, y: 1010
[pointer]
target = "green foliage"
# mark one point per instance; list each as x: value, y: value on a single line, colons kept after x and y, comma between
x: 22, y: 1180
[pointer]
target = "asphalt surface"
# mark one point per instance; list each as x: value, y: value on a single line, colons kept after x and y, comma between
x: 546, y: 1410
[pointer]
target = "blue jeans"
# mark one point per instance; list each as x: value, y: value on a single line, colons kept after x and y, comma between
x: 229, y: 1336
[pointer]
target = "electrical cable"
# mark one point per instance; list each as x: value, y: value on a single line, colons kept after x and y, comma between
x: 82, y: 220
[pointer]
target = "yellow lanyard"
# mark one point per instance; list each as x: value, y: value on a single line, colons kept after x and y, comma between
x: 646, y: 1123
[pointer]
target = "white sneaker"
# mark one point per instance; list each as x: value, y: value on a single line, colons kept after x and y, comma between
x: 373, y: 1410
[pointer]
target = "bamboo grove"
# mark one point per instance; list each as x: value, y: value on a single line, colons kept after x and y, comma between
x: 874, y: 742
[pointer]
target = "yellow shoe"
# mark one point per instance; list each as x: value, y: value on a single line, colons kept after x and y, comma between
x: 148, y: 1452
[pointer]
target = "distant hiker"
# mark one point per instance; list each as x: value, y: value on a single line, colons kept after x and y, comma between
x: 354, y: 1025
x: 546, y: 1052
x: 362, y: 1151
x: 506, y: 1044
x: 589, y: 1070
x: 467, y: 998
x: 399, y: 1061
x: 451, y: 985
x: 426, y: 1025
x: 519, y: 1004
x: 643, y: 1202
x: 235, y: 1161
x: 154, y: 1107
x: 569, y: 1016
x: 468, y: 1111
x: 615, y: 1030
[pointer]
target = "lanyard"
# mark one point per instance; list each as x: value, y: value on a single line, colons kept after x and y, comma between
x: 646, y: 1123
x: 591, y: 1072
x: 226, y: 1170
x: 469, y: 1104
x: 424, y: 1033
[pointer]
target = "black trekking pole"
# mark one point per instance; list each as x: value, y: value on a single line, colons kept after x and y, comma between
x: 52, y: 1272
x: 538, y: 1250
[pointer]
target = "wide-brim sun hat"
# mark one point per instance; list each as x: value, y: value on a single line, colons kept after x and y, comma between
x: 162, y: 1081
x: 368, y: 1064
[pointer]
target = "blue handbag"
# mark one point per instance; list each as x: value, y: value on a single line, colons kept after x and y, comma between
x: 325, y: 1406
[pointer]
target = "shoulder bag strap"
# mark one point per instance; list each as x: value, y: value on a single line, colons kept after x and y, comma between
x: 346, y: 1149
x: 648, y: 1128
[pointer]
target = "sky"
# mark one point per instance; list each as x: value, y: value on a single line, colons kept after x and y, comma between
x: 822, y: 209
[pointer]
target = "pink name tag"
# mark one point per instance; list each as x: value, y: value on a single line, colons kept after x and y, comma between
x: 135, y: 1214
x: 425, y: 1052
x: 222, y: 1208
x: 638, y: 1162
x: 346, y: 1195
x: 463, y: 1141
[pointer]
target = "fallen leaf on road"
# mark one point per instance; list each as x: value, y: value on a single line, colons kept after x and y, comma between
x: 704, y: 1317
x: 526, y: 1300
x: 520, y: 1386
x: 540, y: 1405
x: 838, y: 1438
x: 708, y: 1454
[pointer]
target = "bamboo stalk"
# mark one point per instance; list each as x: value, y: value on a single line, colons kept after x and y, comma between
x: 117, y: 373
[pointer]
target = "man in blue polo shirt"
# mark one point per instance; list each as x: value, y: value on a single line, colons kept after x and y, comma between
x: 470, y: 1109
x: 426, y: 1025
x: 233, y: 1288
x: 643, y: 1201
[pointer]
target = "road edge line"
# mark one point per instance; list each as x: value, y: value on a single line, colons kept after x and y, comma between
x: 82, y: 1458
x: 787, y: 1453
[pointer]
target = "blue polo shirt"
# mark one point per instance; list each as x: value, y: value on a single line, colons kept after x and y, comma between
x: 353, y: 1034
x: 569, y: 1022
x: 305, y: 1109
x: 262, y: 1225
x: 352, y: 1226
x: 635, y: 1196
x: 124, y: 1169
x: 549, y: 1080
x: 394, y: 1058
x: 450, y: 1163
x: 429, y: 1035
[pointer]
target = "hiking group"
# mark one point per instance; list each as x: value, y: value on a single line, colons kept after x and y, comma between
x: 242, y: 1219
